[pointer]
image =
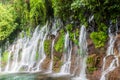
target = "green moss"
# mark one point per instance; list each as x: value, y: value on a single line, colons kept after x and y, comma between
x: 113, y: 21
x: 56, y: 58
x: 102, y: 27
x: 47, y: 46
x: 59, y: 45
x: 57, y: 63
x: 90, y: 64
x: 76, y: 34
x: 28, y: 32
x: 91, y: 69
x: 37, y: 56
x: 99, y: 38
x: 5, y: 56
x: 69, y: 27
x: 90, y: 60
x: 73, y: 32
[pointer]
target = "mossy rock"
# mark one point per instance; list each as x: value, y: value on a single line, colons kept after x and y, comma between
x: 47, y: 47
x: 57, y: 64
x: 91, y: 63
x: 59, y: 44
x: 5, y: 58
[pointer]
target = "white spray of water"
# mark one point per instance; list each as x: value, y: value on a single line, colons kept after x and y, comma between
x: 67, y: 55
x: 43, y: 34
x: 8, y: 62
x: 54, y: 33
x: 110, y: 68
x: 110, y: 51
x: 26, y: 53
x: 52, y: 50
x: 91, y: 18
x: 83, y: 54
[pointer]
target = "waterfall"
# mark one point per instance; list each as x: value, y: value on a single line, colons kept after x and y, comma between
x: 8, y: 62
x: 51, y: 63
x: 41, y: 52
x: 83, y: 54
x: 54, y: 32
x: 15, y: 63
x: 110, y: 51
x: 27, y: 53
x: 67, y: 55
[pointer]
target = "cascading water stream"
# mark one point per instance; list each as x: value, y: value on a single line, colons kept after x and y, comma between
x: 41, y: 52
x: 83, y: 54
x: 54, y: 33
x: 8, y: 62
x: 67, y: 55
x: 110, y: 51
x: 15, y: 62
x: 52, y: 50
x: 27, y: 54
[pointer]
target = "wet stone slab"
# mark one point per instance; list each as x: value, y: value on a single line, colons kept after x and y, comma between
x: 33, y: 76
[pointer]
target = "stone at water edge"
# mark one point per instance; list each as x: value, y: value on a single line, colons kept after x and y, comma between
x: 109, y: 59
x: 114, y: 75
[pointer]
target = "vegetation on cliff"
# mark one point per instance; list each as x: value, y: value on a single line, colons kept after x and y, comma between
x: 7, y: 21
x: 68, y: 16
x: 96, y: 15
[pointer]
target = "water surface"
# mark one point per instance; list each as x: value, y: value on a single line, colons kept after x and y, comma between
x: 33, y: 76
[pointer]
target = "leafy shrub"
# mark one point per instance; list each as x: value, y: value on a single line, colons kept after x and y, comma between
x: 99, y: 38
x: 37, y: 11
x: 62, y: 8
x: 22, y: 13
x: 7, y: 21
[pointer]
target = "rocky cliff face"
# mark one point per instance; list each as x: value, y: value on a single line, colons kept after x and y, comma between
x: 94, y: 61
